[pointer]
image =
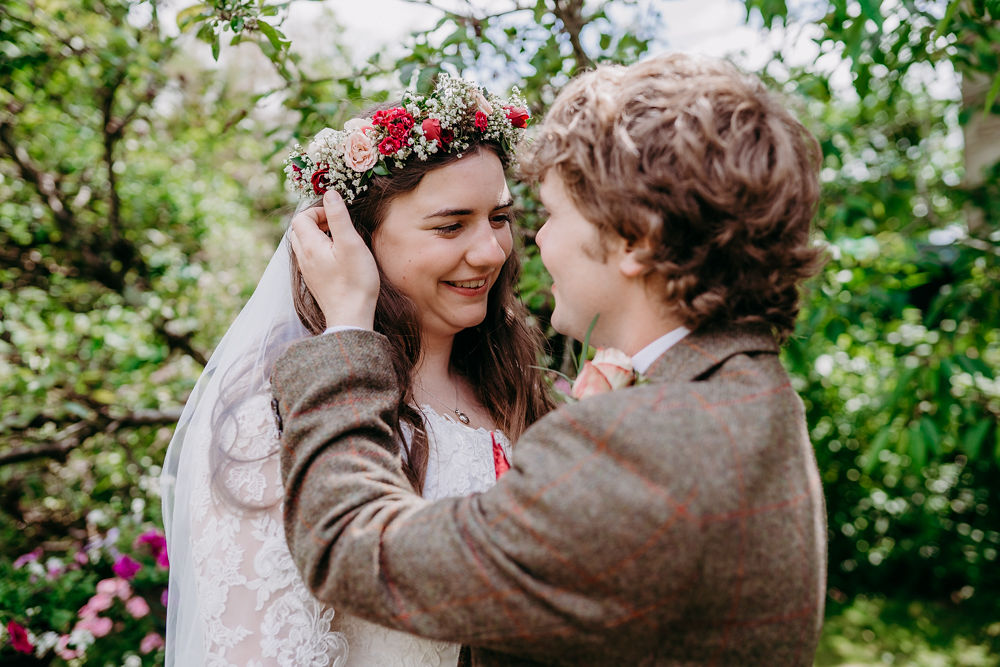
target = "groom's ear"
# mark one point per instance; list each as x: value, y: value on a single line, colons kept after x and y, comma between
x: 630, y: 261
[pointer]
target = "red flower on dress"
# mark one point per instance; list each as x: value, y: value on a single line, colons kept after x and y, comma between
x: 319, y: 181
x: 482, y: 120
x: 518, y: 116
x: 19, y: 638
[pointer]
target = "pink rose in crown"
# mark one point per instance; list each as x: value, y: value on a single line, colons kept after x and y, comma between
x: 360, y: 153
x: 609, y: 370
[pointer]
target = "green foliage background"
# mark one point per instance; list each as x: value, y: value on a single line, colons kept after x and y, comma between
x: 140, y: 196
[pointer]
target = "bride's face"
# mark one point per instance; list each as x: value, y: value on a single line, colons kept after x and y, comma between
x: 443, y: 243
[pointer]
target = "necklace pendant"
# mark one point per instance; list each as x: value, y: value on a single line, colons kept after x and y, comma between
x: 462, y: 417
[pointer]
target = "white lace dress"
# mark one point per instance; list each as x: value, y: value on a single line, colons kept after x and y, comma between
x: 254, y: 609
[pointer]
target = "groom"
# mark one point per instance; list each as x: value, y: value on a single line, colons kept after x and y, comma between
x: 679, y: 521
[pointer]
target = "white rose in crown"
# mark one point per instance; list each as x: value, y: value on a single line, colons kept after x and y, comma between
x: 610, y: 369
x: 323, y: 144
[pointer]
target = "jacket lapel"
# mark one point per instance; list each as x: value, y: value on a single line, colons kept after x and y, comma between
x: 700, y: 352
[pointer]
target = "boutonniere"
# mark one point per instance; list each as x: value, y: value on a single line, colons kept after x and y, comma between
x: 610, y: 369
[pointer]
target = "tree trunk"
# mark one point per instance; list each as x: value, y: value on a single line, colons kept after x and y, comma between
x: 982, y: 140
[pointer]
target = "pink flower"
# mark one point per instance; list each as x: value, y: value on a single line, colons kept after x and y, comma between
x: 482, y: 105
x: 19, y: 638
x: 482, y: 120
x: 97, y: 626
x: 518, y: 116
x: 95, y: 604
x: 137, y: 606
x: 150, y: 642
x: 115, y: 587
x: 126, y: 567
x: 359, y: 151
x: 610, y: 369
x: 63, y: 650
x: 27, y: 558
x: 164, y: 596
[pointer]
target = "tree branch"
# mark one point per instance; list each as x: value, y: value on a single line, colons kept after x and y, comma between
x: 59, y: 446
x: 570, y: 13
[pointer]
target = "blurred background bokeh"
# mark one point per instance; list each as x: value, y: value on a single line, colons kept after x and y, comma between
x: 141, y: 195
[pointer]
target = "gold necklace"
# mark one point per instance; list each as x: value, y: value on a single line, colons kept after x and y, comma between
x: 462, y: 417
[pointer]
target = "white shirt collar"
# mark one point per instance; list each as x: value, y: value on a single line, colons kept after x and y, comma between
x: 644, y: 358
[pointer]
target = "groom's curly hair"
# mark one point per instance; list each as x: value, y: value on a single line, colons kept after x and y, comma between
x: 700, y: 167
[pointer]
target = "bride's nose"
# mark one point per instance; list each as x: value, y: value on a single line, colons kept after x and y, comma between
x: 486, y: 247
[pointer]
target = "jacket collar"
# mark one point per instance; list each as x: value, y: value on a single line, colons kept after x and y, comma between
x: 701, y: 351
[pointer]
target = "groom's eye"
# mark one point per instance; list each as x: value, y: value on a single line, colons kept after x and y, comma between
x: 501, y: 219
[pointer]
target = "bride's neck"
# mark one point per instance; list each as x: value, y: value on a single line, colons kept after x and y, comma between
x: 435, y: 360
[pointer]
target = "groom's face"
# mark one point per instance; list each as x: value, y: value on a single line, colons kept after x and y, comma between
x: 585, y: 277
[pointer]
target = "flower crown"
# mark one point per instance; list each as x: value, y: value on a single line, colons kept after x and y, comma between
x: 451, y: 118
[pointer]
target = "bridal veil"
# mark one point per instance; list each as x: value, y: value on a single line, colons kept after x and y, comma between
x: 235, y: 597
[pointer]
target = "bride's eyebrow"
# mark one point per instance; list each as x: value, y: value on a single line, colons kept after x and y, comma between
x: 457, y: 212
x: 449, y: 213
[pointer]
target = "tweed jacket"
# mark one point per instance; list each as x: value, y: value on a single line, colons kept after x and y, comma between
x: 677, y: 522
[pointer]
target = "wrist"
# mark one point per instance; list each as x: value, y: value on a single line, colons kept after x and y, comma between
x: 360, y: 316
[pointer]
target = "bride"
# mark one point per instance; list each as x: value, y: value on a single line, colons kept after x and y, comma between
x: 424, y: 183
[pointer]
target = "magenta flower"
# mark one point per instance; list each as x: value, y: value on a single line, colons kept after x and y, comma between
x: 19, y: 638
x: 157, y: 544
x: 126, y: 567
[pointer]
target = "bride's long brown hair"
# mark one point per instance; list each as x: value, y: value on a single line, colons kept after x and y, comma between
x: 497, y: 357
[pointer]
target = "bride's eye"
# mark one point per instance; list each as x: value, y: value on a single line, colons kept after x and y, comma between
x: 501, y: 219
x: 448, y: 230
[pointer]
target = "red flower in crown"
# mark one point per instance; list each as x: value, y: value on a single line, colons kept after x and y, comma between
x: 518, y: 116
x: 397, y: 121
x: 482, y: 120
x: 319, y: 181
x: 610, y: 369
x: 389, y: 145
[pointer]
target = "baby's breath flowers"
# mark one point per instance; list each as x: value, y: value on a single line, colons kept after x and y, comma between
x: 452, y: 118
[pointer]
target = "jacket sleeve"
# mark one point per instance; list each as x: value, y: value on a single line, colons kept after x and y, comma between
x: 518, y: 565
